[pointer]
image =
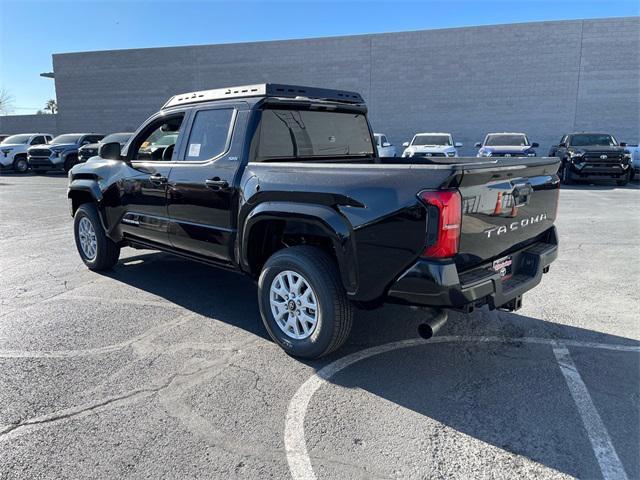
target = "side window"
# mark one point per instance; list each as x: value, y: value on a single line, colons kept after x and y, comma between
x: 39, y: 140
x: 563, y: 141
x: 383, y: 140
x: 48, y: 138
x: 209, y: 134
x: 157, y: 142
x: 95, y: 138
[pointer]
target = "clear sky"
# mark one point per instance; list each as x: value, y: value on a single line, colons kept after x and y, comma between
x: 30, y: 31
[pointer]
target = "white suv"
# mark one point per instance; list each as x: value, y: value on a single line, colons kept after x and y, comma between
x: 431, y: 145
x: 13, y: 149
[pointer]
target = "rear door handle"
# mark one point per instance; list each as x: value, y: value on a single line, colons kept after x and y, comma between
x: 157, y: 179
x: 216, y: 183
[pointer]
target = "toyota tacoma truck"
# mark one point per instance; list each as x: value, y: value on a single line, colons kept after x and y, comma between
x: 13, y: 150
x: 593, y: 156
x: 428, y: 145
x: 61, y: 153
x: 506, y: 145
x: 283, y: 183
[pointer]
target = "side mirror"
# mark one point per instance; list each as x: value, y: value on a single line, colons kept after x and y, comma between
x: 478, y: 144
x: 110, y: 151
x: 458, y: 144
x: 623, y: 144
x: 386, y: 144
x: 535, y: 145
x: 405, y: 144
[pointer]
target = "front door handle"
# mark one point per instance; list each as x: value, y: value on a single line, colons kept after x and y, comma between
x: 158, y: 179
x: 216, y: 183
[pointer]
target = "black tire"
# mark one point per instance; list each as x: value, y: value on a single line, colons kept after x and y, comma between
x: 69, y: 162
x: 20, y: 164
x: 107, y: 251
x: 334, y: 314
x: 565, y: 176
x: 623, y: 180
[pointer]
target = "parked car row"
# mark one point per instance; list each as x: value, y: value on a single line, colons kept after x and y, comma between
x: 585, y: 156
x: 42, y: 152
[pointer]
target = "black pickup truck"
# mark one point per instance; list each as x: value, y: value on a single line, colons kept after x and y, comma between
x: 283, y: 183
x: 592, y: 156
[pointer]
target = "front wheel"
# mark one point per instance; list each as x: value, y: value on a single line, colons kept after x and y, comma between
x: 69, y: 163
x: 98, y: 252
x: 20, y: 165
x: 565, y: 175
x: 302, y: 302
x: 623, y: 180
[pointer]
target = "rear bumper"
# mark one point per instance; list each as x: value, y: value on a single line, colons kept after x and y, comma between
x: 438, y: 284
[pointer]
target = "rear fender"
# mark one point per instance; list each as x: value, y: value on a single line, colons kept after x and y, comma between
x: 331, y: 222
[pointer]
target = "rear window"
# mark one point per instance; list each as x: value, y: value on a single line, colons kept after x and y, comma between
x: 307, y: 134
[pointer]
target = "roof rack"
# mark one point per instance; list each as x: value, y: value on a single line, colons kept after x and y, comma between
x: 265, y: 90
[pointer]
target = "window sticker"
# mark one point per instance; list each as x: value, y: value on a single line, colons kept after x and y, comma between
x: 194, y: 149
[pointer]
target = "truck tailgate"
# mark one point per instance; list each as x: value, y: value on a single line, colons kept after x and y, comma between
x: 506, y: 205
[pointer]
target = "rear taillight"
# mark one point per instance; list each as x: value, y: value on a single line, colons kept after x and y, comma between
x: 443, y: 222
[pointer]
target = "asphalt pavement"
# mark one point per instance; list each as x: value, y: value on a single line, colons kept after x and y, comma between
x: 161, y: 368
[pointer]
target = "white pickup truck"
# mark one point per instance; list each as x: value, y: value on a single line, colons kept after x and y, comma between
x: 385, y: 149
x: 13, y: 150
x: 431, y: 145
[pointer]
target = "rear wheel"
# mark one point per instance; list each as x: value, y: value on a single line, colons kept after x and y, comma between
x: 20, y: 164
x: 302, y: 302
x: 98, y: 252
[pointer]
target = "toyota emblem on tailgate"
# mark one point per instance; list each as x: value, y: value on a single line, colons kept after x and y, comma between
x: 603, y: 157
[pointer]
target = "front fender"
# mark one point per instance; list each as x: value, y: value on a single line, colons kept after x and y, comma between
x: 80, y: 190
x: 331, y: 222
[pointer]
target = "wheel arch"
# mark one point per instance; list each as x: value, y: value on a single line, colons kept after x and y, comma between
x: 86, y: 191
x: 270, y: 224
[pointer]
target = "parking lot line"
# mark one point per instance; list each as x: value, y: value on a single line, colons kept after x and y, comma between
x: 294, y: 437
x: 605, y: 453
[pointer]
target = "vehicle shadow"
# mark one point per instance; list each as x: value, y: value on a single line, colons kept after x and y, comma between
x: 509, y: 394
x: 600, y: 186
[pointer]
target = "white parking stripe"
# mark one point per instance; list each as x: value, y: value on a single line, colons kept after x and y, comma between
x: 605, y: 453
x: 294, y: 439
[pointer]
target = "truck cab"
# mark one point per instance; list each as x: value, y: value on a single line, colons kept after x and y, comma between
x: 383, y: 146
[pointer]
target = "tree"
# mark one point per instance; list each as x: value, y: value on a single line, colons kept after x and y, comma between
x: 51, y: 106
x: 6, y: 102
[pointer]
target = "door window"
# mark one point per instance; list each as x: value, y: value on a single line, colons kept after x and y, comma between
x: 157, y: 142
x: 209, y: 134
